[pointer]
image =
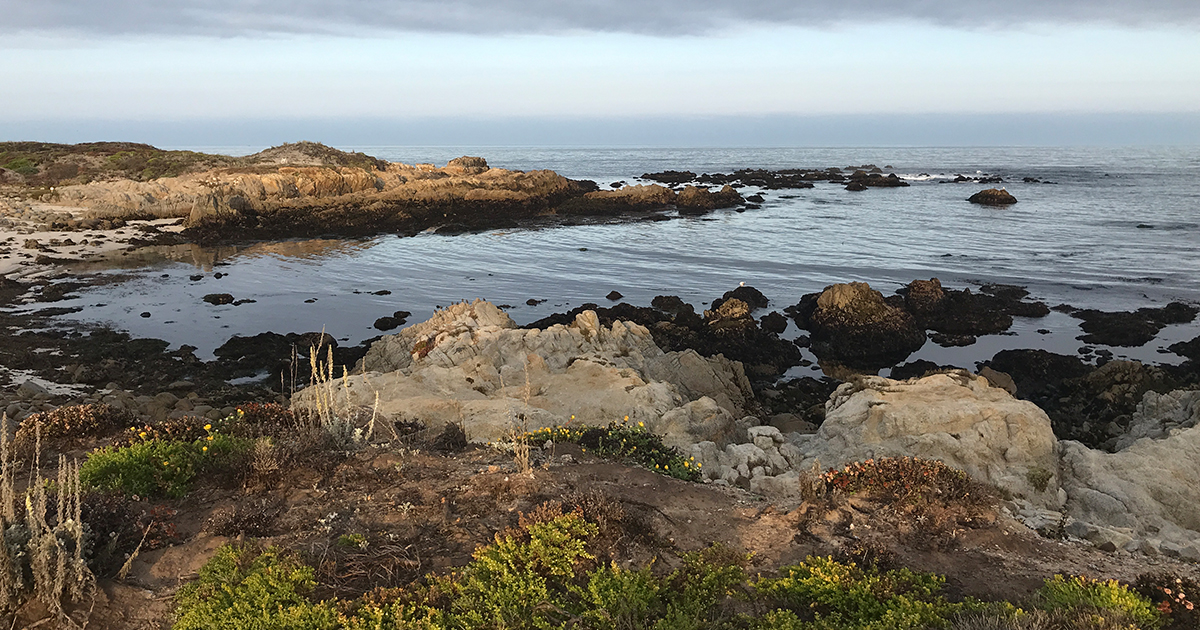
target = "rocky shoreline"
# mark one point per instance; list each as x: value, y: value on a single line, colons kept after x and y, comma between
x: 1091, y: 459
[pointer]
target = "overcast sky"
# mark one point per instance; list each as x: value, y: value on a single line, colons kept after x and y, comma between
x: 74, y: 63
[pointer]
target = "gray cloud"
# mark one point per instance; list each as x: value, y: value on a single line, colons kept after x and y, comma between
x: 222, y: 18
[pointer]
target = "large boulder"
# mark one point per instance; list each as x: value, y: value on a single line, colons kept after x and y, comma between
x: 470, y: 363
x: 1148, y: 487
x: 957, y: 418
x: 853, y: 324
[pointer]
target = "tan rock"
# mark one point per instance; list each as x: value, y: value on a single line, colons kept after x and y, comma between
x: 956, y: 418
x: 469, y: 363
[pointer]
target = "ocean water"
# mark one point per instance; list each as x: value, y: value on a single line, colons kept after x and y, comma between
x: 1118, y: 229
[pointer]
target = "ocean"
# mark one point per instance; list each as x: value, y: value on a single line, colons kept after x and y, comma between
x: 1117, y: 229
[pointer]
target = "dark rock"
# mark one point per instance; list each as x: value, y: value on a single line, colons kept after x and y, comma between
x: 1091, y: 405
x: 1131, y: 329
x: 1189, y: 349
x: 856, y: 186
x: 728, y: 330
x: 145, y: 313
x: 381, y: 292
x: 614, y: 295
x: 671, y: 304
x: 993, y: 197
x: 1145, y: 226
x: 768, y: 180
x: 917, y: 369
x: 387, y: 323
x: 877, y: 180
x: 804, y: 397
x: 774, y: 323
x: 749, y: 295
x: 218, y: 298
x: 946, y: 340
x: 196, y: 277
x: 962, y: 314
x: 1035, y: 370
x: 756, y: 198
x: 851, y: 323
x: 534, y: 301
x: 671, y: 177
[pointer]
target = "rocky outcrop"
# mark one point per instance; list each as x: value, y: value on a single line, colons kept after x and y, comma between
x: 957, y: 418
x: 876, y: 180
x: 851, y: 323
x: 993, y: 197
x: 1141, y: 498
x: 471, y: 364
x: 961, y: 316
x: 1149, y: 488
x: 728, y: 330
x: 1131, y: 329
x: 1093, y: 405
x: 699, y: 200
x: 1159, y: 416
x: 691, y: 200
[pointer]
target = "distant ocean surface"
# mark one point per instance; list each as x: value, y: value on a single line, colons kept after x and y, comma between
x: 1118, y: 229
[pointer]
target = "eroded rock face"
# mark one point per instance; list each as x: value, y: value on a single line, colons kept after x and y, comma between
x: 956, y: 418
x: 1149, y: 486
x: 853, y: 324
x: 470, y: 363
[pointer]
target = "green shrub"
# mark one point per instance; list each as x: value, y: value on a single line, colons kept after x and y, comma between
x: 155, y: 468
x: 623, y: 441
x: 352, y: 541
x: 1080, y: 593
x: 24, y: 166
x: 242, y: 589
x: 844, y: 596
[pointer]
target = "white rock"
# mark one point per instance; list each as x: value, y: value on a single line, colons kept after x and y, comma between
x: 1150, y: 486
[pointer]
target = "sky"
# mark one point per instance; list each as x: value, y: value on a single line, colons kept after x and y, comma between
x: 726, y: 72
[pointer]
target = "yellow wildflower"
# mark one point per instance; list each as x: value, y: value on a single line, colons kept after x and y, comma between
x: 207, y: 427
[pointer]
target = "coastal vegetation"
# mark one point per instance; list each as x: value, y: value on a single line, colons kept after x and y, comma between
x: 564, y: 562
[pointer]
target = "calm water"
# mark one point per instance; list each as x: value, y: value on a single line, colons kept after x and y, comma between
x: 1076, y: 241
